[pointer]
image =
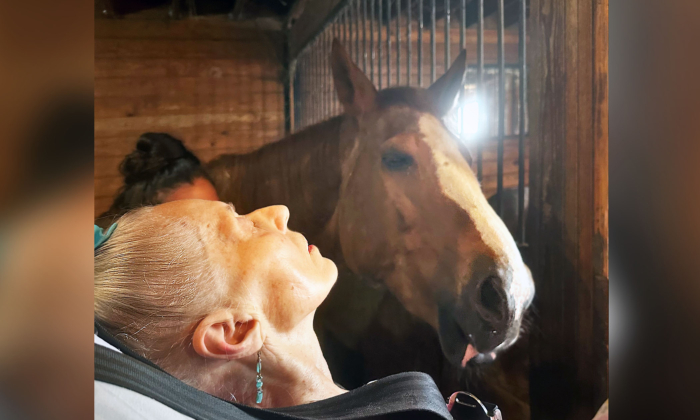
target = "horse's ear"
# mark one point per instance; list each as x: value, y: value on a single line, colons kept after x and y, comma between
x: 445, y: 89
x: 355, y: 91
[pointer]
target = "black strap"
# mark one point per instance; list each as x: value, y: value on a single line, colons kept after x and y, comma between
x: 409, y: 395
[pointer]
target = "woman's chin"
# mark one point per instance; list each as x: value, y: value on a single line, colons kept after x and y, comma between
x: 330, y: 276
x: 333, y: 275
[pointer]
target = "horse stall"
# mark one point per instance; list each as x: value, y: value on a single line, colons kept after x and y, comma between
x: 230, y: 77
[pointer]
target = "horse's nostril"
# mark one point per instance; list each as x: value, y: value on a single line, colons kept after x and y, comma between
x: 491, y: 300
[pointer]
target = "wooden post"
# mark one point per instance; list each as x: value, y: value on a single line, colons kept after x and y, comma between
x: 567, y: 226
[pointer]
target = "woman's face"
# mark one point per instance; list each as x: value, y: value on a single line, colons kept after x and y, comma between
x: 269, y: 268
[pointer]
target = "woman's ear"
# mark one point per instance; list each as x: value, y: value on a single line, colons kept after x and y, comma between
x: 221, y: 336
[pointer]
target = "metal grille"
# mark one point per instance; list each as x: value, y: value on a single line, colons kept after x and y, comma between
x: 412, y: 42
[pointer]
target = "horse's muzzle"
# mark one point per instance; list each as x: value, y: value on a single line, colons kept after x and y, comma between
x: 483, y: 316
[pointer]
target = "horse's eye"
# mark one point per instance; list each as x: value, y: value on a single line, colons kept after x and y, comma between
x: 394, y: 160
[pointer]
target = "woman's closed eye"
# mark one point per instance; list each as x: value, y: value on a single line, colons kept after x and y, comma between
x: 244, y: 221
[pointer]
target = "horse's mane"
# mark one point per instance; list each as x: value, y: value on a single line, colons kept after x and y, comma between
x: 416, y: 98
x: 301, y: 171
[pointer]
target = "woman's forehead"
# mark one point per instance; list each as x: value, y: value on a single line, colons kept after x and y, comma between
x: 192, y: 208
x: 215, y: 222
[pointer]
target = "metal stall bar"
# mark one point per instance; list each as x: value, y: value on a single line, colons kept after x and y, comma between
x: 300, y: 73
x: 336, y: 35
x: 433, y: 58
x: 409, y: 43
x: 321, y: 87
x: 462, y: 47
x: 345, y: 28
x: 298, y: 89
x: 462, y: 25
x: 522, y: 40
x: 329, y: 47
x: 501, y: 109
x: 398, y: 42
x: 379, y: 42
x: 480, y: 90
x: 357, y: 32
x: 325, y: 57
x: 351, y: 30
x: 288, y: 88
x: 388, y: 43
x: 329, y: 76
x: 319, y: 79
x: 364, y: 36
x: 310, y: 113
x: 447, y: 35
x: 372, y: 6
x: 314, y: 80
x: 307, y: 82
x: 308, y: 110
x: 328, y: 38
x: 420, y: 43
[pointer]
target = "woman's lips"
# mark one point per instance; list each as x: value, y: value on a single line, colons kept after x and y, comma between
x: 311, y: 248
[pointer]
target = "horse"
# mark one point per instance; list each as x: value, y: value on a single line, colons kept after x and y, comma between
x: 387, y: 192
x: 509, y: 214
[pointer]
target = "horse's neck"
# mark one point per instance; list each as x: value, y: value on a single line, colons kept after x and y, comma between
x: 302, y: 171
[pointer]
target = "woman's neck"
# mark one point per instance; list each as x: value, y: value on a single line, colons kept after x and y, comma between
x: 293, y: 369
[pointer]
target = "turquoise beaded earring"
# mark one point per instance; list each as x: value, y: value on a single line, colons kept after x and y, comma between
x: 259, y: 381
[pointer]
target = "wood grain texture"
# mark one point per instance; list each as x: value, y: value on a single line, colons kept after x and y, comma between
x: 567, y: 226
x: 211, y: 82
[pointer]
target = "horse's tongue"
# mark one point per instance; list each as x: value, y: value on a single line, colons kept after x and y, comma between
x: 469, y: 354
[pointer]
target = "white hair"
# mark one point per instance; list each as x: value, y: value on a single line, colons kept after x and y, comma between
x: 154, y: 282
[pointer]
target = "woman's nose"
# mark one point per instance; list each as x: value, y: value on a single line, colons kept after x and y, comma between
x: 278, y: 216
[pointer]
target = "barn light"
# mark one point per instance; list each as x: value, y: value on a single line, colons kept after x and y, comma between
x: 470, y: 118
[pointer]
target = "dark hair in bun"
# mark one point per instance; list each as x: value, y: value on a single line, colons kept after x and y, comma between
x: 159, y: 164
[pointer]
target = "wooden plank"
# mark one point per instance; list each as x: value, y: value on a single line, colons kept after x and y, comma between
x: 187, y: 124
x: 154, y: 105
x: 185, y: 29
x: 600, y: 200
x: 181, y: 86
x: 101, y: 205
x: 183, y: 67
x: 180, y: 48
x: 584, y: 293
x: 568, y: 207
x: 110, y: 164
x: 212, y: 136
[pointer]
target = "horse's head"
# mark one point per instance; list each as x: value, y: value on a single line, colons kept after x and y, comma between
x: 412, y: 214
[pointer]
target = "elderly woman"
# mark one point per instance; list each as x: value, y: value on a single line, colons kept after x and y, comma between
x: 211, y: 297
x: 202, y: 302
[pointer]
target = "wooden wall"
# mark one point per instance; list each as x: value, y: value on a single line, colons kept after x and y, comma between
x: 568, y: 215
x: 211, y: 82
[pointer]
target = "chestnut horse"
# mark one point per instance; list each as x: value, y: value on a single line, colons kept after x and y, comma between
x: 387, y: 192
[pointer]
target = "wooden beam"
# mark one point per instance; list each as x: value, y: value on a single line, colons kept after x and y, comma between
x: 567, y: 226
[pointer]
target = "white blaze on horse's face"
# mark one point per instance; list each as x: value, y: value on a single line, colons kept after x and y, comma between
x: 433, y: 239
